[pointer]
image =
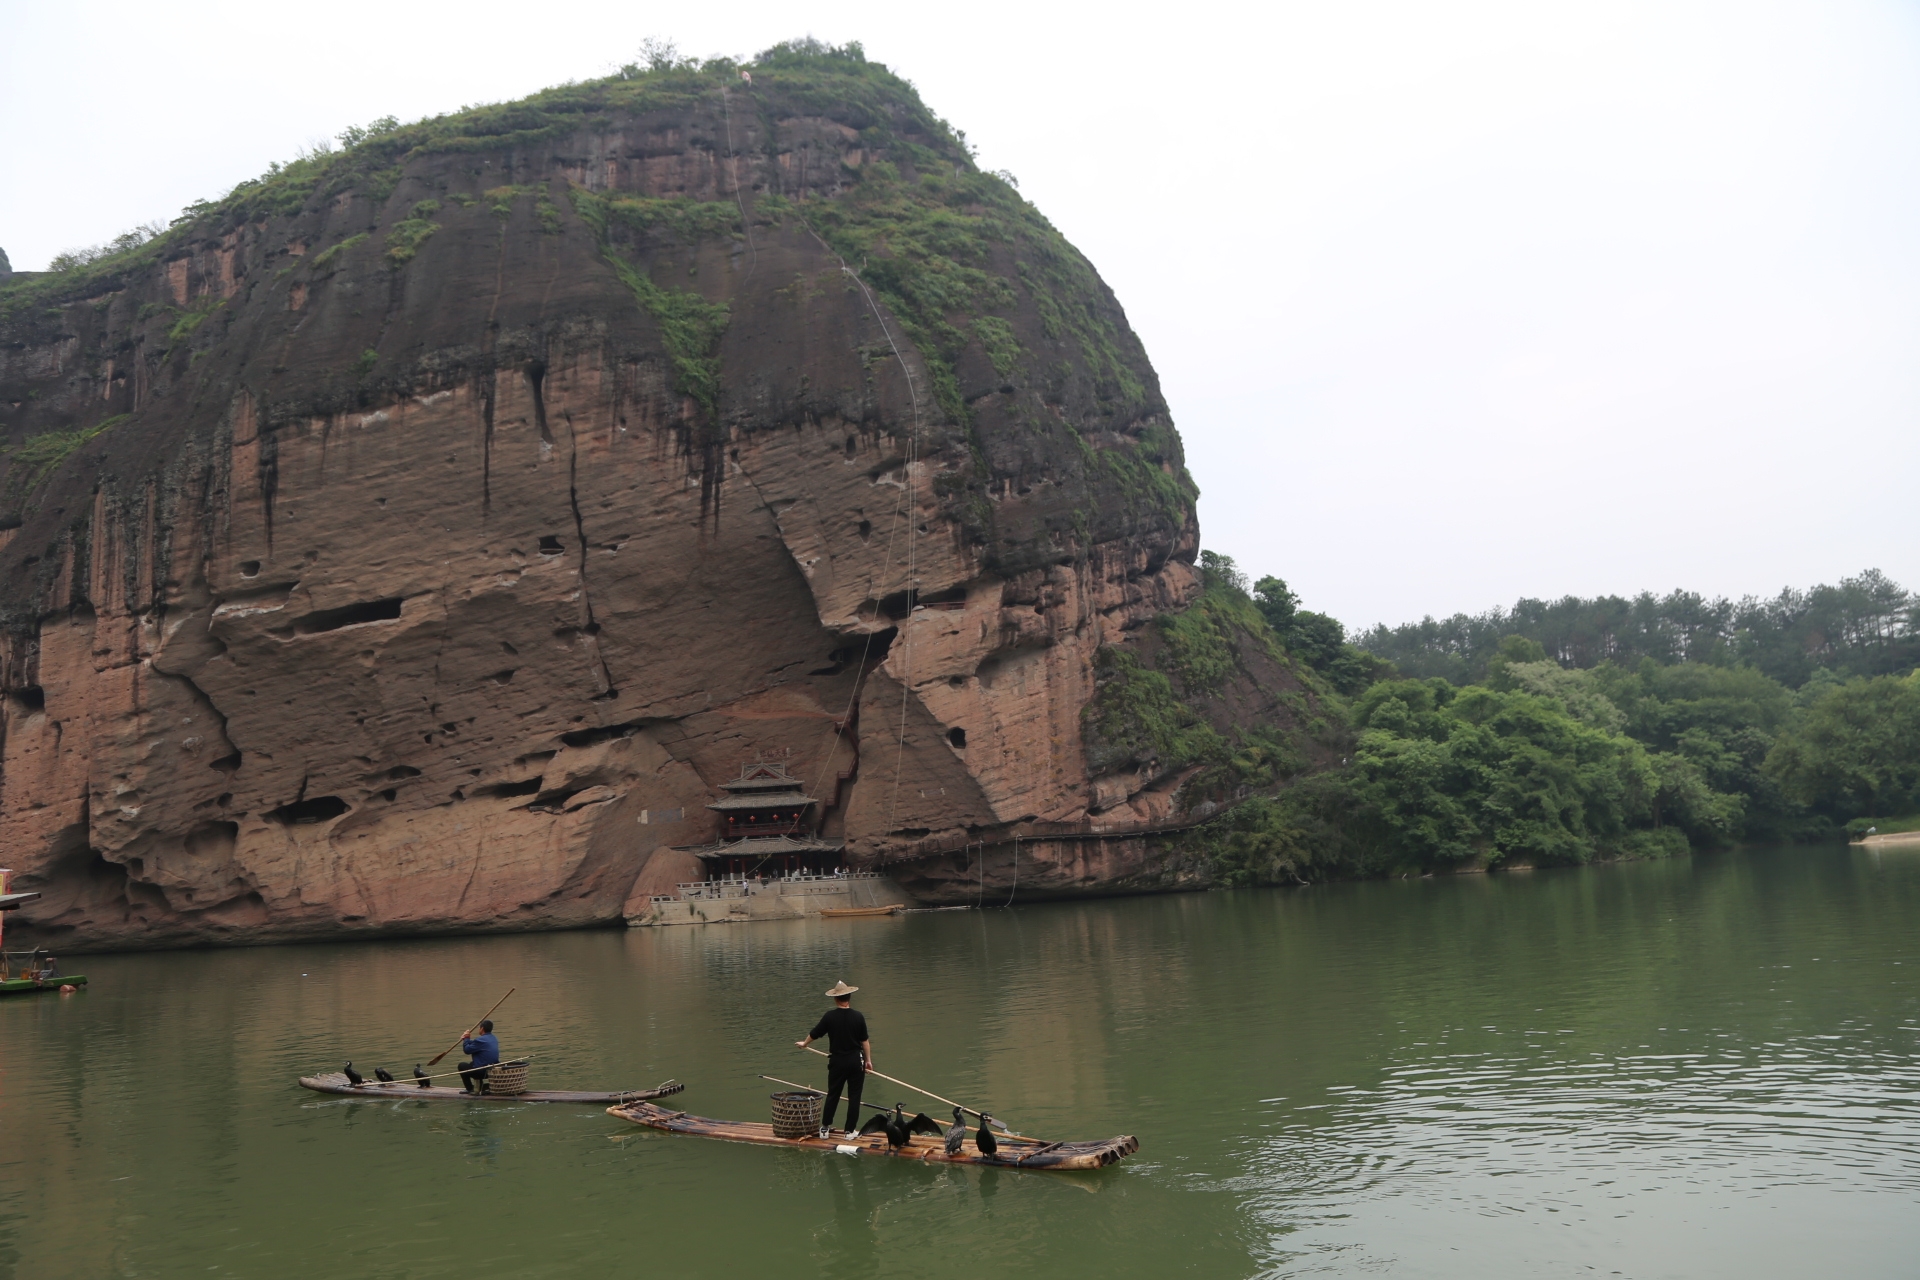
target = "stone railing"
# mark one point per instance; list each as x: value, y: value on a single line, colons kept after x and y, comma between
x: 737, y: 887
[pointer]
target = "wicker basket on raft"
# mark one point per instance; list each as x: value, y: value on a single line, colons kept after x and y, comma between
x: 508, y: 1078
x: 797, y: 1114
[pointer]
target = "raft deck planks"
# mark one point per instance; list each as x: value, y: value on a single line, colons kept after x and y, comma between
x: 336, y: 1082
x: 1014, y: 1153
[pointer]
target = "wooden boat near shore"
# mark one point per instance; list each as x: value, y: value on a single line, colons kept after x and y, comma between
x: 1014, y: 1153
x: 842, y: 913
x: 336, y: 1082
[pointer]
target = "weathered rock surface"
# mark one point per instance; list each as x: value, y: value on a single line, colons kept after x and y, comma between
x: 389, y: 545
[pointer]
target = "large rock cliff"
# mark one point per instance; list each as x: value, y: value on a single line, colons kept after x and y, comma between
x: 411, y: 539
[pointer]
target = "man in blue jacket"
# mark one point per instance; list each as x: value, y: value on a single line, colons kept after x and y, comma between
x: 484, y: 1052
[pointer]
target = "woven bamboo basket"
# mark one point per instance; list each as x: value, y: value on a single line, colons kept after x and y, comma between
x: 797, y: 1114
x: 509, y: 1078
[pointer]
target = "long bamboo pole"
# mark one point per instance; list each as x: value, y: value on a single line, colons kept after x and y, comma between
x: 469, y: 1031
x: 925, y: 1093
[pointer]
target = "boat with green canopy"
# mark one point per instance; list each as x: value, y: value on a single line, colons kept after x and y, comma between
x: 32, y: 975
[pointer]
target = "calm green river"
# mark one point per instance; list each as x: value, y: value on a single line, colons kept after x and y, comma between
x: 1699, y: 1068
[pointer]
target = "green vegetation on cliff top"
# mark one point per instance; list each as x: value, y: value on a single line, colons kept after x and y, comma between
x: 836, y: 82
x: 954, y: 252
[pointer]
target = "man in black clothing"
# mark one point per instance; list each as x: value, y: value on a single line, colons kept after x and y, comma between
x: 849, y: 1055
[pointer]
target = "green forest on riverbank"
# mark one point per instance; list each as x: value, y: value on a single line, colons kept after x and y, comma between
x: 1559, y: 733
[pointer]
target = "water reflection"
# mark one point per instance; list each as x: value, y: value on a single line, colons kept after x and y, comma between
x: 1703, y: 1068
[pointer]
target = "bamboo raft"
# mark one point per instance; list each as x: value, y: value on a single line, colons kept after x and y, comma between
x: 336, y: 1082
x: 1014, y: 1153
x: 842, y: 913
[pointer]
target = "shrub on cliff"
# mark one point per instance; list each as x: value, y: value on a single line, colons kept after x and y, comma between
x: 1317, y: 639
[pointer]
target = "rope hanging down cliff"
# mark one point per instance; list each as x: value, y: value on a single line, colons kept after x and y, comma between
x: 901, y: 497
x: 903, y: 503
x: 911, y: 470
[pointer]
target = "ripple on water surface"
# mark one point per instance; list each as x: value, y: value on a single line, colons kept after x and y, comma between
x: 1701, y: 1068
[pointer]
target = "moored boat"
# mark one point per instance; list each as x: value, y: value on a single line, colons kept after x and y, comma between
x: 337, y: 1082
x: 26, y: 983
x: 1013, y: 1153
x: 841, y: 913
x: 22, y: 986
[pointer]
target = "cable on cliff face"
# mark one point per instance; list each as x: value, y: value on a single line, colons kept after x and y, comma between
x: 746, y: 223
x: 913, y: 458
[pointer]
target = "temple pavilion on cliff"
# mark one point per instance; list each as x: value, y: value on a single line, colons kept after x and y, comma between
x: 766, y: 828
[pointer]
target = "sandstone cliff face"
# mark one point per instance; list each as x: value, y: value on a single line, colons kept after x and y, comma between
x: 395, y: 544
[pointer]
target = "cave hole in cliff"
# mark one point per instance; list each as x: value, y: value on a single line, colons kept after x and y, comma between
x: 249, y: 568
x: 853, y: 443
x: 30, y: 699
x: 212, y: 840
x: 865, y: 530
x: 553, y: 801
x: 306, y: 812
x: 509, y: 650
x: 322, y: 620
x: 874, y: 646
x: 403, y: 771
x: 601, y: 733
x: 502, y: 677
x: 528, y: 788
x: 957, y: 736
x: 390, y: 794
x: 551, y: 546
x: 227, y: 764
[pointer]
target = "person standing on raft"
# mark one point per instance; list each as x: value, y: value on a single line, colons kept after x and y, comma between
x: 483, y: 1051
x: 849, y: 1055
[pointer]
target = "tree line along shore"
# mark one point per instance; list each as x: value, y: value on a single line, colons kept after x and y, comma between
x: 1558, y: 733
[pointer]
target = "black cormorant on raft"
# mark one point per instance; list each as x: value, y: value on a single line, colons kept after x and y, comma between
x: 898, y: 1129
x: 1012, y: 1153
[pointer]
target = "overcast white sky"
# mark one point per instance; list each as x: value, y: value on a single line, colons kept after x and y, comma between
x: 1453, y: 303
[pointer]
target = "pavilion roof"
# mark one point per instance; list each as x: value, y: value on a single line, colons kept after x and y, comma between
x: 763, y: 777
x: 761, y: 847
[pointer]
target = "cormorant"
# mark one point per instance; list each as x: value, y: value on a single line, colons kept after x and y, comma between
x: 957, y: 1135
x: 383, y: 1075
x: 354, y: 1078
x: 983, y: 1136
x: 898, y: 1128
x: 420, y: 1077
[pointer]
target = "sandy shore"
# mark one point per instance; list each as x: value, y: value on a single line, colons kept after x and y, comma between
x: 1893, y: 837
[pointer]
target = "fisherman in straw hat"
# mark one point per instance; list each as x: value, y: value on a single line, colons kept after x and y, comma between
x: 849, y: 1055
